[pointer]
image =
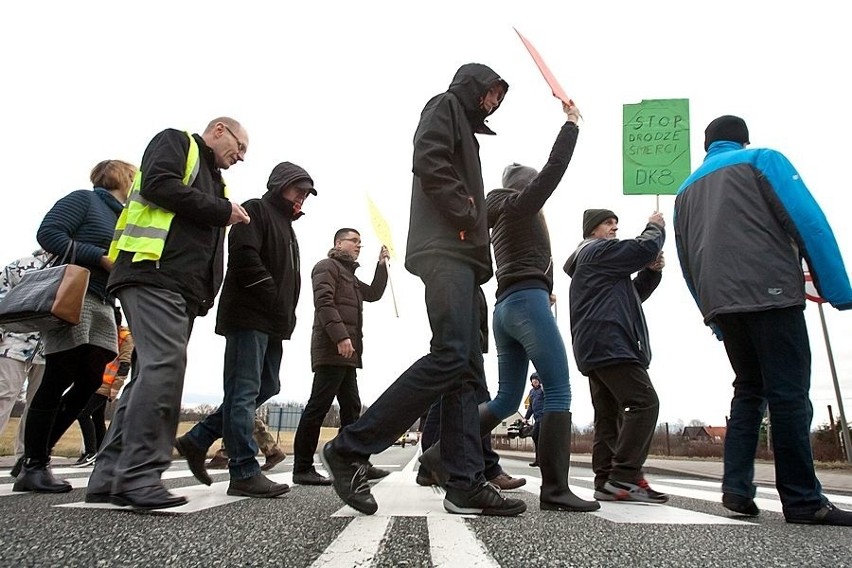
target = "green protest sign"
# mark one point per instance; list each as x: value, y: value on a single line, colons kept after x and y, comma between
x: 656, y: 146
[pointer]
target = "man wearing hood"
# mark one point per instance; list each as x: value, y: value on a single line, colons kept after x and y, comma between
x: 448, y: 249
x: 610, y: 340
x: 257, y: 312
x: 336, y: 347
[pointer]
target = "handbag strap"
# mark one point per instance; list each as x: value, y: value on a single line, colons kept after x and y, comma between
x: 57, y: 260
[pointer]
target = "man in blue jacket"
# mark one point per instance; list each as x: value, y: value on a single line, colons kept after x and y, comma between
x: 744, y: 221
x: 535, y: 411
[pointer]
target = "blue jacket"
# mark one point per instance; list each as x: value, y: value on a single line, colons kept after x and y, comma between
x: 536, y: 407
x: 743, y: 222
x: 88, y: 218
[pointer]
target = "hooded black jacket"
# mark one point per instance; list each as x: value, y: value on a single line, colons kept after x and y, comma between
x: 447, y: 172
x: 192, y: 259
x: 607, y: 322
x: 518, y: 229
x: 262, y: 285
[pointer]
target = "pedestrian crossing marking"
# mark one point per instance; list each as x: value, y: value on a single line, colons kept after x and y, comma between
x: 356, y: 545
x: 452, y: 543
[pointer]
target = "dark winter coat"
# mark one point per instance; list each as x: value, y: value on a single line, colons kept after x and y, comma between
x: 338, y: 299
x: 193, y: 256
x: 88, y: 218
x: 447, y: 173
x: 607, y: 321
x: 536, y: 407
x: 518, y: 229
x: 262, y: 285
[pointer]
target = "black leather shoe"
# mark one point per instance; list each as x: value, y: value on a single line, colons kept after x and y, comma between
x: 310, y: 477
x: 350, y: 479
x: 425, y: 478
x: 258, y: 486
x: 374, y: 473
x: 739, y: 504
x: 36, y: 476
x: 98, y: 498
x: 828, y: 514
x: 147, y: 498
x: 195, y: 458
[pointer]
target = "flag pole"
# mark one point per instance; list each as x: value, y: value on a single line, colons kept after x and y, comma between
x: 393, y: 296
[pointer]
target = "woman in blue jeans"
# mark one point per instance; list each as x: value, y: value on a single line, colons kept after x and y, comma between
x: 524, y: 327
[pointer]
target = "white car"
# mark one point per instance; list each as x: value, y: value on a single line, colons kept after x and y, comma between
x: 409, y: 438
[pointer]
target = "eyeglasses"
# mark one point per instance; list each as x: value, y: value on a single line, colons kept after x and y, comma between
x: 241, y: 148
x: 355, y: 240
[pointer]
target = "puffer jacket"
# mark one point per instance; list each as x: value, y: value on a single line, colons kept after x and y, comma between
x: 448, y: 174
x: 338, y: 301
x: 518, y: 228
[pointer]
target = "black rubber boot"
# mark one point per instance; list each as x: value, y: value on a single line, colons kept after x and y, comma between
x: 431, y: 458
x: 554, y: 461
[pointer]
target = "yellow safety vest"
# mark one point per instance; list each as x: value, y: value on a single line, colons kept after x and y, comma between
x: 142, y: 227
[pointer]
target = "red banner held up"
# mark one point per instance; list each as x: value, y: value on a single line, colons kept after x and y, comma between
x: 555, y: 87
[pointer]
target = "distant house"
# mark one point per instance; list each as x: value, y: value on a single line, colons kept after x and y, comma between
x: 502, y: 428
x: 708, y: 434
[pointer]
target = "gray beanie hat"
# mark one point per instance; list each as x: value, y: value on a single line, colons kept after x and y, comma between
x: 594, y: 217
x: 516, y: 176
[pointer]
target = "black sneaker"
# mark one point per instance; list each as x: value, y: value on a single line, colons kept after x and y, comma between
x: 739, y: 504
x: 602, y: 494
x: 349, y: 476
x: 639, y: 491
x: 85, y: 460
x: 828, y: 514
x: 484, y: 499
x: 310, y: 477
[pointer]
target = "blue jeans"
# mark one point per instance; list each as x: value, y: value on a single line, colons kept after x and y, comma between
x: 252, y: 362
x: 450, y: 371
x: 525, y: 330
x: 770, y: 355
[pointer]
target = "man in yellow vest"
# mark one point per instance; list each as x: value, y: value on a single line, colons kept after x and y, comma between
x: 168, y: 254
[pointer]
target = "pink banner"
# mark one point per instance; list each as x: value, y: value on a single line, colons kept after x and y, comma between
x: 555, y: 87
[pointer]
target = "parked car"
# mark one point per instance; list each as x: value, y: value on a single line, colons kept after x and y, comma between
x: 409, y: 438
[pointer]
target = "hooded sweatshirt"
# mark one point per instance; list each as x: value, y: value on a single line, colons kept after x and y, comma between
x: 447, y: 175
x: 263, y: 281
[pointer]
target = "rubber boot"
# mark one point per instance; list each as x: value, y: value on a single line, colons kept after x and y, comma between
x: 431, y: 458
x: 554, y: 461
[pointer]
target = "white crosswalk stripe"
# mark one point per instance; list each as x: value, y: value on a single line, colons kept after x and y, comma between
x: 641, y: 513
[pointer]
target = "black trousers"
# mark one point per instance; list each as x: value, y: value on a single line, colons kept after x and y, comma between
x: 329, y: 381
x: 92, y: 423
x: 626, y: 410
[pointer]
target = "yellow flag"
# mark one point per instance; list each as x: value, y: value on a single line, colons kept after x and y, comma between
x: 380, y: 226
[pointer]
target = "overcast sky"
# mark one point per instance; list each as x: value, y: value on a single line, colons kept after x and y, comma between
x: 337, y: 87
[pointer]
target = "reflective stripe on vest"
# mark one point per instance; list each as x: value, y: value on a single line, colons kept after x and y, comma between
x: 142, y: 227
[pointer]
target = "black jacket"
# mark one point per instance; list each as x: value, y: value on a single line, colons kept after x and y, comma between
x: 518, y: 229
x: 263, y: 281
x: 447, y: 173
x: 192, y: 259
x: 338, y: 299
x: 607, y: 322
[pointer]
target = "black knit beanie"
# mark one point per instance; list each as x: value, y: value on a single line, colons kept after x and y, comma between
x: 594, y: 217
x: 726, y: 127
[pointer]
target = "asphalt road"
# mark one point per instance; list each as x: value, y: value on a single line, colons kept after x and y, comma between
x: 310, y: 527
